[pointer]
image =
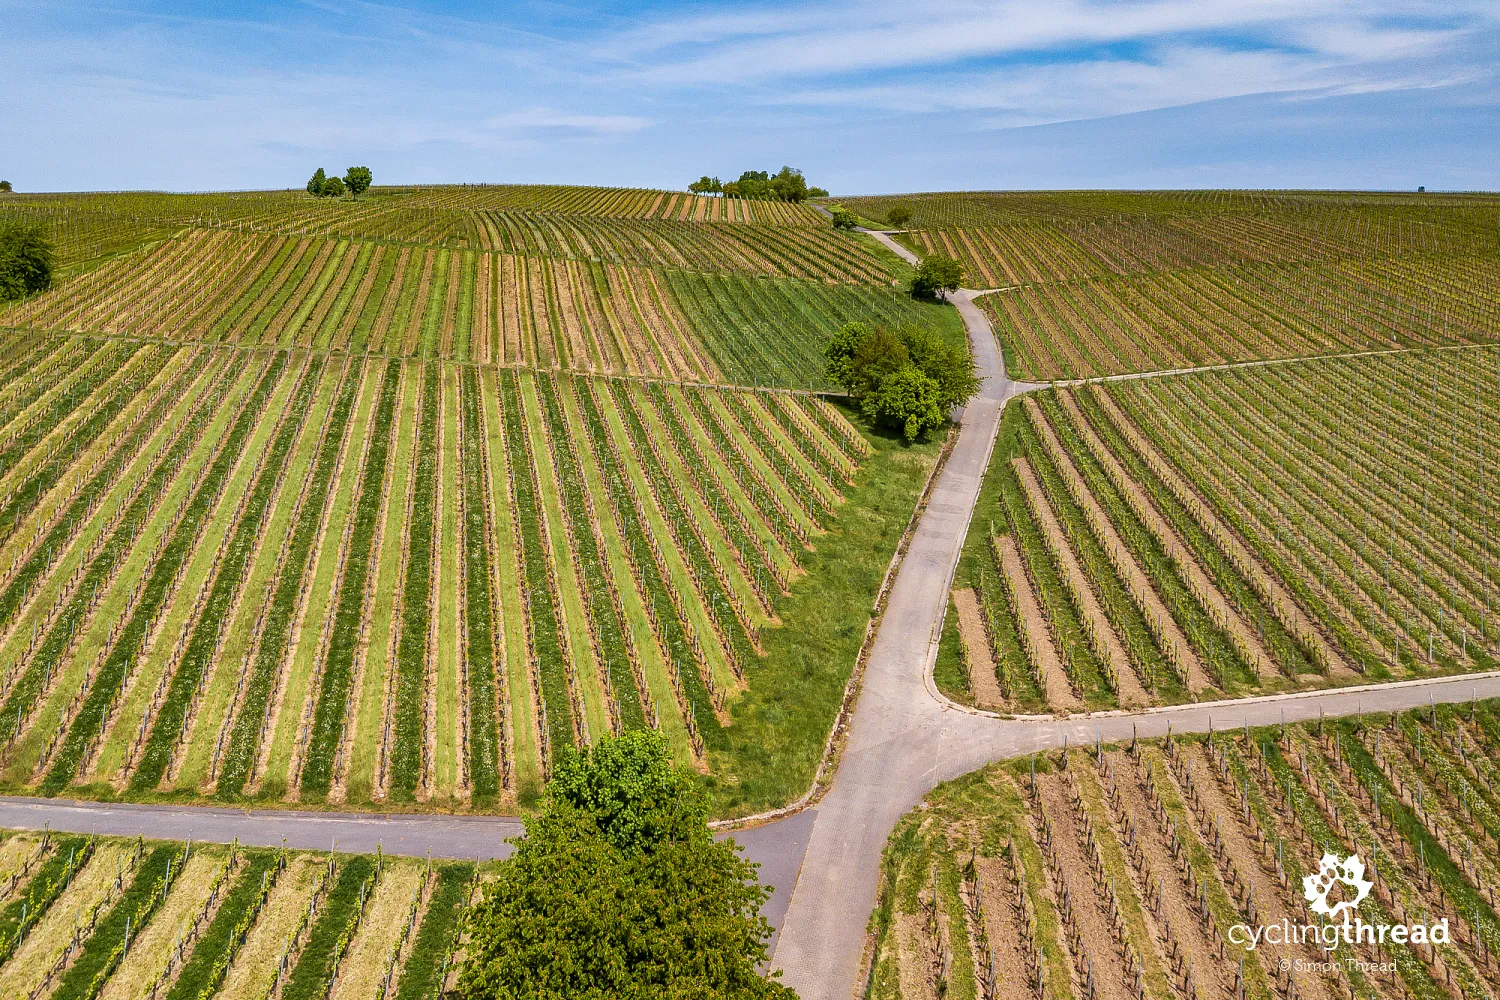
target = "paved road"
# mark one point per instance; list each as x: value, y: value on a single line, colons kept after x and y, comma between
x: 895, y: 747
x: 905, y: 738
x: 776, y: 848
x: 473, y: 837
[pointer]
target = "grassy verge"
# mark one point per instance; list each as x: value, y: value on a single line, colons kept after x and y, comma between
x: 770, y: 752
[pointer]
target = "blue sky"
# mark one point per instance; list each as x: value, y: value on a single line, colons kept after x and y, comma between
x: 874, y: 96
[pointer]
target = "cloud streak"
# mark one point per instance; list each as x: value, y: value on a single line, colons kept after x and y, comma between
x: 550, y: 119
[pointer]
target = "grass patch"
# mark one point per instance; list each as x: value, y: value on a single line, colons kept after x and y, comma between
x: 411, y: 646
x: 51, y: 878
x: 244, y: 740
x: 105, y: 948
x: 204, y: 641
x: 770, y: 753
x: 330, y: 717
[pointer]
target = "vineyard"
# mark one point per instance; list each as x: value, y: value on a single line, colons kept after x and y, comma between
x: 1119, y: 872
x: 384, y: 502
x: 304, y: 576
x: 979, y: 209
x: 492, y: 308
x: 401, y: 209
x: 1208, y: 316
x: 1101, y: 283
x: 1231, y: 533
x: 87, y: 917
x: 632, y: 228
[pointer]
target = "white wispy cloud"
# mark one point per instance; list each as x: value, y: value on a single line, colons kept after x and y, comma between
x: 542, y: 118
x: 921, y: 57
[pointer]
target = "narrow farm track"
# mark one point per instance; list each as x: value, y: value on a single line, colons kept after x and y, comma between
x: 903, y: 737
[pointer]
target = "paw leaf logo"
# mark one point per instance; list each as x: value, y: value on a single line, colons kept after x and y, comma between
x: 1350, y: 872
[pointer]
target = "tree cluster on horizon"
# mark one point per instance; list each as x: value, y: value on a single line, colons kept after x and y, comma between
x: 787, y: 184
x: 356, y: 181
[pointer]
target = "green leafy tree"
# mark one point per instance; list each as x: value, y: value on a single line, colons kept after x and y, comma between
x: 5, y: 187
x: 843, y: 218
x: 817, y: 192
x: 907, y: 379
x: 754, y: 184
x: 637, y: 797
x: 879, y: 353
x: 333, y: 187
x: 899, y: 215
x: 357, y: 180
x: 838, y: 356
x: 946, y: 362
x: 789, y: 185
x: 906, y: 398
x: 26, y: 260
x: 316, y: 182
x: 936, y: 276
x: 619, y: 892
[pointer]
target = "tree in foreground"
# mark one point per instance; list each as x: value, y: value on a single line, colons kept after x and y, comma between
x: 936, y: 276
x: 618, y: 891
x: 899, y: 215
x: 843, y: 218
x: 357, y: 180
x: 906, y: 379
x: 26, y: 260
